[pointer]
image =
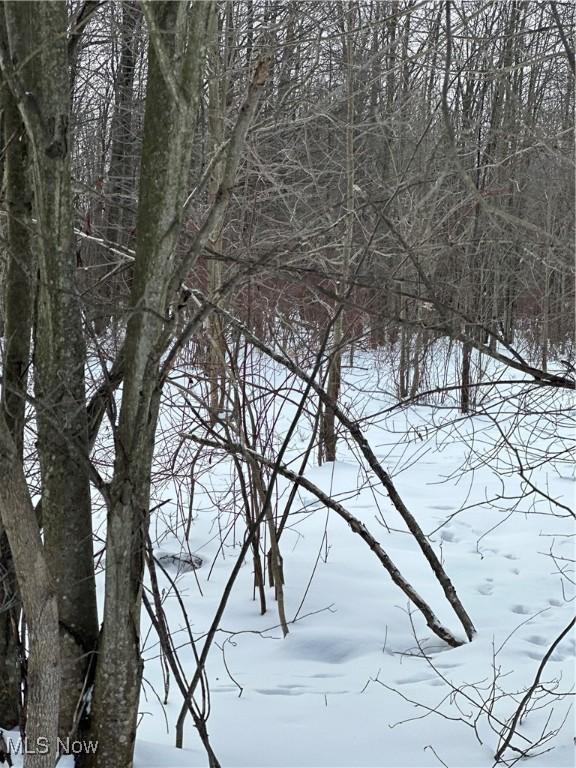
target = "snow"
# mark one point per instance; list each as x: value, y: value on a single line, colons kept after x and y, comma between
x: 360, y: 680
x: 343, y: 688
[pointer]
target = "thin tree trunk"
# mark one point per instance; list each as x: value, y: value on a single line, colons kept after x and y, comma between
x: 216, y: 110
x: 19, y: 308
x: 465, y: 382
x: 39, y: 600
x: 176, y: 53
x: 329, y: 434
x: 120, y: 204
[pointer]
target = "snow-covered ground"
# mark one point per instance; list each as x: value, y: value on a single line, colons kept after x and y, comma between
x: 350, y: 686
x: 360, y: 680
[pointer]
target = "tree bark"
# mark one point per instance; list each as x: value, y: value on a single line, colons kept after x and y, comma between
x: 39, y: 600
x: 19, y: 308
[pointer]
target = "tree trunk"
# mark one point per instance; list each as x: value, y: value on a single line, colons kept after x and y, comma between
x: 465, y: 383
x: 176, y: 53
x: 19, y: 307
x: 329, y: 434
x: 39, y: 601
x: 217, y: 89
x: 119, y: 193
x: 43, y: 94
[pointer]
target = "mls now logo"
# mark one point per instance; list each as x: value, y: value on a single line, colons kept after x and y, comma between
x: 41, y: 746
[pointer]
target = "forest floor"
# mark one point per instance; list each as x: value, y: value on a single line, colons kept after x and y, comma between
x: 360, y: 680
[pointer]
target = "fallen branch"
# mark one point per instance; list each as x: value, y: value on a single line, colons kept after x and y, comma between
x: 356, y: 525
x: 374, y: 464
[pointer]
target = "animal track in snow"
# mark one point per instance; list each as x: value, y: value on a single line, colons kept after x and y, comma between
x: 537, y: 640
x: 538, y: 656
x: 323, y: 674
x: 329, y: 650
x: 280, y: 691
x: 485, y: 589
x: 555, y: 603
x: 423, y: 677
x: 446, y: 534
x: 523, y: 610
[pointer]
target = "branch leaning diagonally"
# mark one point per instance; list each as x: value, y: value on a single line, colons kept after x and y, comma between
x: 376, y: 467
x: 356, y: 525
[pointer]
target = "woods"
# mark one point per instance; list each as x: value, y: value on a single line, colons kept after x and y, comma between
x: 240, y: 242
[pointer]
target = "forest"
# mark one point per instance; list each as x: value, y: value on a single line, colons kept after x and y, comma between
x: 287, y: 370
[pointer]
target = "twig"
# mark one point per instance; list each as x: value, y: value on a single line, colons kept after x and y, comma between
x: 530, y: 692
